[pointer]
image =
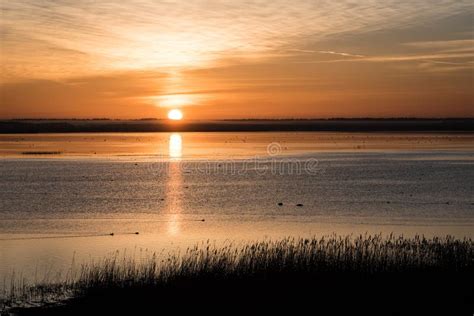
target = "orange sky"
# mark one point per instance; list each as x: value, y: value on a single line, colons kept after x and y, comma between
x: 236, y: 59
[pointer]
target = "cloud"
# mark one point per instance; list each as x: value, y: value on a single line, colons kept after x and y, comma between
x: 326, y: 52
x: 419, y: 57
x: 445, y: 66
x: 146, y: 34
x: 445, y: 44
x: 120, y: 93
x: 435, y: 56
x: 103, y: 58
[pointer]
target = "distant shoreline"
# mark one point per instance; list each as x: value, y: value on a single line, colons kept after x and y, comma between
x: 22, y: 126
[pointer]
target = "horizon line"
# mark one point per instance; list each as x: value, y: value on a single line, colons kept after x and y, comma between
x: 242, y: 119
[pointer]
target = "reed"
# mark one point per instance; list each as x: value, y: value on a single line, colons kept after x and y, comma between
x: 295, y: 260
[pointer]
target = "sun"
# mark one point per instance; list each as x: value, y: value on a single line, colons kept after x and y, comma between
x: 175, y: 115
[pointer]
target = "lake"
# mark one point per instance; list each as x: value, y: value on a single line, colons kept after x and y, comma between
x: 62, y: 195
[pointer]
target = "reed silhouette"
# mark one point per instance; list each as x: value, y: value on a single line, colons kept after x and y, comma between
x: 386, y: 275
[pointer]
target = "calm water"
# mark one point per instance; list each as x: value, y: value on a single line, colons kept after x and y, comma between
x: 79, y: 188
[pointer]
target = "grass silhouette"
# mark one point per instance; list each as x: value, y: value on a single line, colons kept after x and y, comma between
x: 389, y: 274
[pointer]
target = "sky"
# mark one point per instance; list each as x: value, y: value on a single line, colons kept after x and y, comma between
x: 236, y: 59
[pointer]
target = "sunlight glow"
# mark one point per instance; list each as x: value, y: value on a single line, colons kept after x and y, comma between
x: 175, y: 115
x: 174, y: 100
x: 175, y: 146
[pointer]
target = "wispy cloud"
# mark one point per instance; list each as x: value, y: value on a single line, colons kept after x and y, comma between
x: 122, y: 58
x: 91, y: 96
x: 445, y: 66
x: 418, y: 57
x: 326, y: 52
x: 439, y: 56
x: 162, y: 34
x: 444, y: 44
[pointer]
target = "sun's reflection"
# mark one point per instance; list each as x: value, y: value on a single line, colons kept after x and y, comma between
x: 174, y: 185
x: 175, y: 146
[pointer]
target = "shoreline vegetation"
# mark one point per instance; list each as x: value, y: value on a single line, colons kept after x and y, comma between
x: 19, y: 126
x: 41, y: 153
x: 383, y: 274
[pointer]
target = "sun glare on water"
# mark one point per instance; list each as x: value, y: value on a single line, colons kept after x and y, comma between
x: 175, y: 115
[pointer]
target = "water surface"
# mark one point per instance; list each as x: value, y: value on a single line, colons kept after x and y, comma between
x: 180, y: 189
